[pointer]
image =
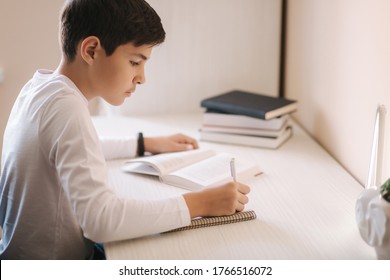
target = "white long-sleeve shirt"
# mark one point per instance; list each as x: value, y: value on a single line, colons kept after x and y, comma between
x: 55, y: 198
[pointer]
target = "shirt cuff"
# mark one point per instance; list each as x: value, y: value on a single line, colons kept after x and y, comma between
x: 185, y: 212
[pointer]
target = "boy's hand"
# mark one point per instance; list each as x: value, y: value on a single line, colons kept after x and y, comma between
x: 219, y: 201
x: 172, y: 143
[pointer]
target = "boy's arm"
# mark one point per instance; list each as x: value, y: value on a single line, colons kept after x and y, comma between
x: 127, y: 147
x: 113, y: 148
x: 71, y: 146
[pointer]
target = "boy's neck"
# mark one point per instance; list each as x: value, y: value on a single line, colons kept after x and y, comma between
x: 75, y: 71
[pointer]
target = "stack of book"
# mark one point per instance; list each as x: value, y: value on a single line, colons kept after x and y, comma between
x: 244, y: 118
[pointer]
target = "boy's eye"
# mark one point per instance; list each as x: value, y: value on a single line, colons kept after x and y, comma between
x: 133, y: 63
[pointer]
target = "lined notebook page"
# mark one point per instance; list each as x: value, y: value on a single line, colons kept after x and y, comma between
x: 219, y: 220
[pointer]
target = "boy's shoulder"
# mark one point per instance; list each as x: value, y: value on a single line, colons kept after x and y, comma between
x: 51, y: 93
x: 47, y: 86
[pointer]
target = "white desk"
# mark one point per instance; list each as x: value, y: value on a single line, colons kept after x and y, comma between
x: 304, y: 201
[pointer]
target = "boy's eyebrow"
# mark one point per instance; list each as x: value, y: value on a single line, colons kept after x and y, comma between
x: 140, y: 55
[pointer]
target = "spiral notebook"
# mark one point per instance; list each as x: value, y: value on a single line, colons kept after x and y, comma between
x: 219, y: 220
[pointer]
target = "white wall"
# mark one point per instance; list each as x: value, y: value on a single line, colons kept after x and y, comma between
x: 211, y: 47
x: 338, y: 67
x: 28, y: 41
x: 338, y: 61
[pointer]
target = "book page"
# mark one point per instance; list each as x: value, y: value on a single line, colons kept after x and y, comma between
x: 210, y: 172
x: 166, y: 163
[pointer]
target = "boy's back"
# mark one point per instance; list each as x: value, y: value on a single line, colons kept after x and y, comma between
x: 39, y: 215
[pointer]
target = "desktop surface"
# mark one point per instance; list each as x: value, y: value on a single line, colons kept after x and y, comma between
x: 304, y: 202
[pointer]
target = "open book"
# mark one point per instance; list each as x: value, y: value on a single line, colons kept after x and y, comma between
x: 192, y: 170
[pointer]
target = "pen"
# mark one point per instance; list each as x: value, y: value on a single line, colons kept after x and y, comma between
x: 233, y: 170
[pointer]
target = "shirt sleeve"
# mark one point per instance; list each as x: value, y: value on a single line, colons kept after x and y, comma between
x: 77, y: 156
x: 114, y: 148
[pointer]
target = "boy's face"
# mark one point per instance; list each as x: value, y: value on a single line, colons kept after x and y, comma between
x: 115, y: 77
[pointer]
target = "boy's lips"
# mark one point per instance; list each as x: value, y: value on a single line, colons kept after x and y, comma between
x: 129, y: 92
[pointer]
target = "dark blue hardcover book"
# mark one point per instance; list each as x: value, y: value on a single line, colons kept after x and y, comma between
x: 250, y: 104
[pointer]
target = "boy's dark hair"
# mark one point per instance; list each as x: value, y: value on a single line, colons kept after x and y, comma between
x: 114, y: 22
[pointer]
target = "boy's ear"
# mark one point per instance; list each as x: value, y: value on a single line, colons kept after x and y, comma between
x: 89, y: 47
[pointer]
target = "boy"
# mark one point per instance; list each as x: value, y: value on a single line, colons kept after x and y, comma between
x: 55, y: 197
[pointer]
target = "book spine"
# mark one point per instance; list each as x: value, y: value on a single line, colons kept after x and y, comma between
x: 232, y: 109
x: 220, y: 119
x: 244, y: 131
x: 246, y: 140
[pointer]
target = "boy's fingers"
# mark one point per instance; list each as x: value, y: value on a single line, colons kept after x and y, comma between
x: 192, y: 142
x: 244, y: 189
x: 184, y: 143
x: 240, y: 207
x: 243, y: 199
x: 182, y: 147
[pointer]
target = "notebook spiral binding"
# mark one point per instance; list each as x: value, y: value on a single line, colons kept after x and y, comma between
x: 218, y: 220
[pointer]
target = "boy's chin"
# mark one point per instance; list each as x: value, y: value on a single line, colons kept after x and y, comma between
x: 115, y: 102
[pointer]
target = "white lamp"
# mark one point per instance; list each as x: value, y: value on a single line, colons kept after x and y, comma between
x: 372, y: 211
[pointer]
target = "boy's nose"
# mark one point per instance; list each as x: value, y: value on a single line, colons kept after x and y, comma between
x: 140, y: 79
